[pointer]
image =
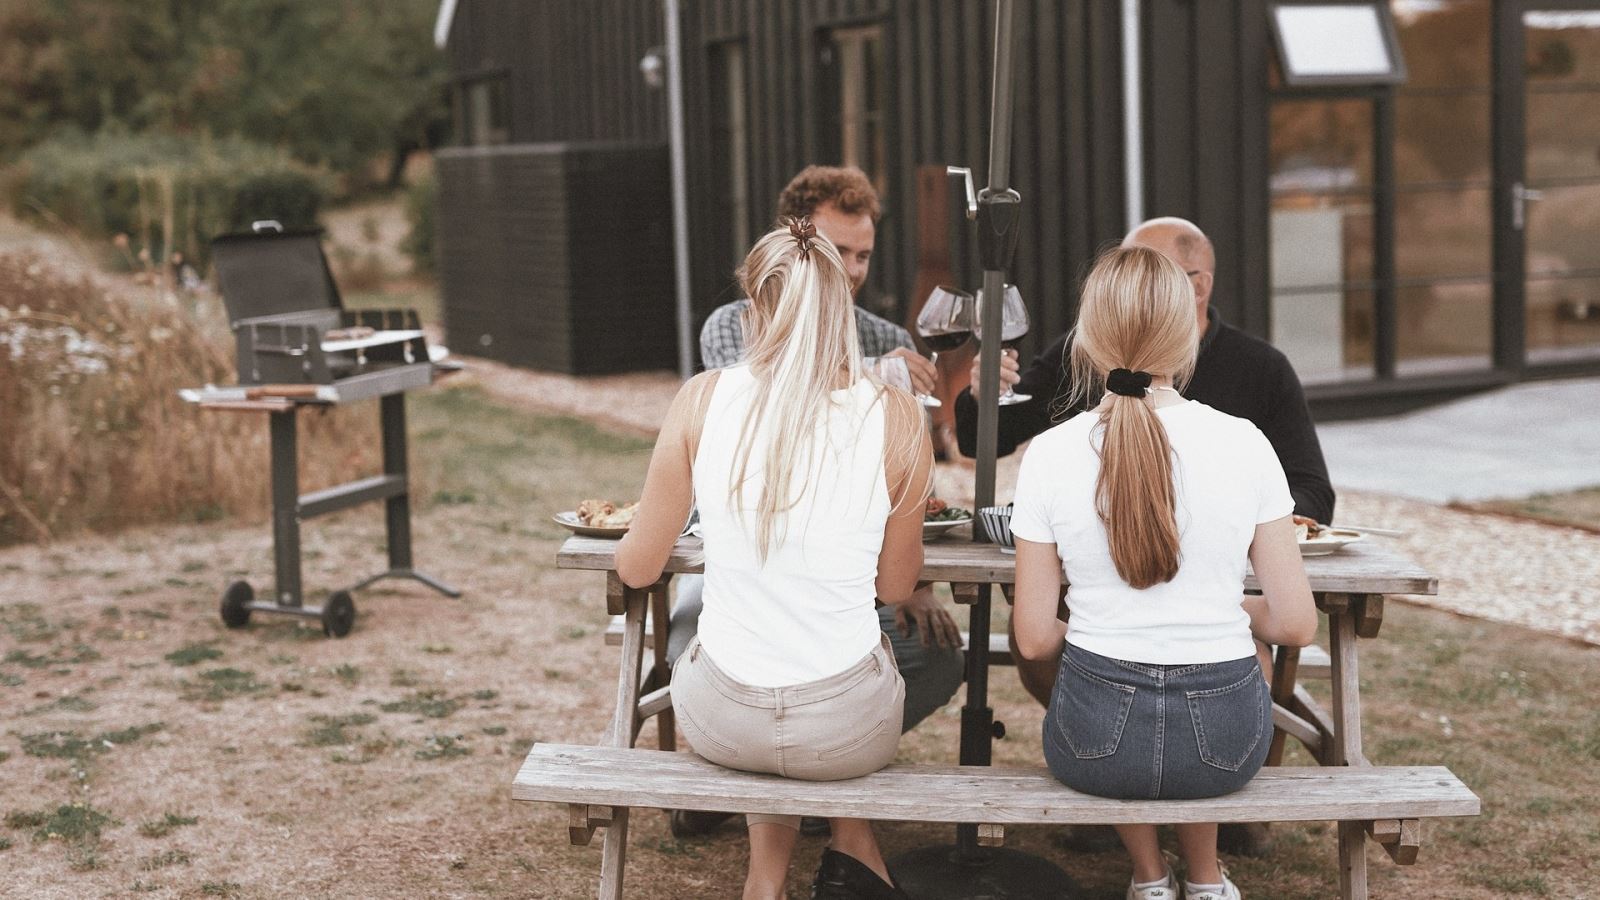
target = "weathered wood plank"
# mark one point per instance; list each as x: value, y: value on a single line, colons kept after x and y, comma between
x: 1406, y: 845
x: 655, y: 779
x: 1287, y: 723
x: 1365, y: 568
x: 1352, y: 861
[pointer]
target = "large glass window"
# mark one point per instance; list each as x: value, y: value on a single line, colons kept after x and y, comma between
x: 1561, y: 202
x: 1444, y: 297
x: 1322, y: 208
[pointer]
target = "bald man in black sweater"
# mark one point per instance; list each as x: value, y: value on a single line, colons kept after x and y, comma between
x: 1235, y: 373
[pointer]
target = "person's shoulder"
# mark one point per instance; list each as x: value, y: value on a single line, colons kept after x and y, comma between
x: 1235, y: 430
x: 1072, y: 433
x: 866, y: 318
x: 735, y: 308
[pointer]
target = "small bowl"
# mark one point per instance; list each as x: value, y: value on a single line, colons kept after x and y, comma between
x: 996, y: 521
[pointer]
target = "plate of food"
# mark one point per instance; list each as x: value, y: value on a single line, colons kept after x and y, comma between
x: 598, y: 518
x: 1321, y: 540
x: 940, y: 517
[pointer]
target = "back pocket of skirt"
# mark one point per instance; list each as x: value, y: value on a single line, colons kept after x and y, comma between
x: 1090, y: 712
x: 1227, y: 722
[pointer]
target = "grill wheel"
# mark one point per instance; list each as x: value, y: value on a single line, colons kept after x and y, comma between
x: 236, y: 604
x: 338, y: 614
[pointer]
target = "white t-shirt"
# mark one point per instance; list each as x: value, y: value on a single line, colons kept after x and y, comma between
x: 1227, y: 480
x: 808, y: 612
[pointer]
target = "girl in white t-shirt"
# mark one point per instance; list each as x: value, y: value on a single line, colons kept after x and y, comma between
x: 810, y: 479
x: 1150, y: 509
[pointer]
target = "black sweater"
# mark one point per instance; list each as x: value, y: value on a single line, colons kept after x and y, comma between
x: 1235, y: 373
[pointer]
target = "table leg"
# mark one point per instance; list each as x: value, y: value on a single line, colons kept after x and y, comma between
x: 1285, y: 669
x: 624, y: 723
x: 661, y: 672
x: 1346, y: 748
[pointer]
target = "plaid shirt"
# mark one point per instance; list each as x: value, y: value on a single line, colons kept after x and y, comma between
x: 722, y: 337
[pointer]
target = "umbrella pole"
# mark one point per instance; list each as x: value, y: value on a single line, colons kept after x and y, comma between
x: 966, y: 869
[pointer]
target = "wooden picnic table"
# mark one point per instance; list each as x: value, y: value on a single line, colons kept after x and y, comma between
x: 1349, y: 586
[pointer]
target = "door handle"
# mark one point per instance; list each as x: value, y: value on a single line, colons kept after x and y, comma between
x: 1520, y: 195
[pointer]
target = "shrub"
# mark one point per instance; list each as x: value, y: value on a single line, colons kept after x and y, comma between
x: 167, y: 193
x: 421, y: 200
x: 95, y: 433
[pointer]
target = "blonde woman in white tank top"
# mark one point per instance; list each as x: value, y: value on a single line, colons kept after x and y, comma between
x: 810, y: 480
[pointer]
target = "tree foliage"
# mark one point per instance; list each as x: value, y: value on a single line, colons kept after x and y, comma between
x: 335, y: 82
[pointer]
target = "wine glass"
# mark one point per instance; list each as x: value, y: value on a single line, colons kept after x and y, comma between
x: 945, y: 322
x: 1013, y: 325
x: 893, y: 370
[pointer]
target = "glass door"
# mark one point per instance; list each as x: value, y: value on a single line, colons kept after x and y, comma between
x: 1551, y: 202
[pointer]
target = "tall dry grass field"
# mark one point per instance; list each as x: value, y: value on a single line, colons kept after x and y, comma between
x: 93, y: 434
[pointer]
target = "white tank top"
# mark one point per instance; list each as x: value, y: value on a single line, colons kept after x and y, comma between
x: 808, y: 612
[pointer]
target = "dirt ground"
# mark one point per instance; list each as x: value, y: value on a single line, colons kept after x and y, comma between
x: 273, y: 762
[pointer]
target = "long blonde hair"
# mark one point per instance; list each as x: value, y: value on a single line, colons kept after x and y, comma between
x: 1137, y: 313
x: 801, y: 344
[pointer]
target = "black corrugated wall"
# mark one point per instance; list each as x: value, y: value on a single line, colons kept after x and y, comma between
x: 574, y: 76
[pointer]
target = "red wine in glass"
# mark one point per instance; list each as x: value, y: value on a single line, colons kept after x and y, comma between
x: 1013, y: 326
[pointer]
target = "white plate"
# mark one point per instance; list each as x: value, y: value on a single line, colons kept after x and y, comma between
x: 1329, y: 541
x: 569, y: 520
x: 934, y: 529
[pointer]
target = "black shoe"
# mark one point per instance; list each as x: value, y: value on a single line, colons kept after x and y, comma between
x: 843, y: 877
x: 687, y: 823
x: 811, y: 826
x: 1244, y: 839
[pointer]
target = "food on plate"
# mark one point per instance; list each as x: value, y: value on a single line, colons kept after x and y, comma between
x: 1307, y: 529
x: 940, y: 511
x: 605, y: 514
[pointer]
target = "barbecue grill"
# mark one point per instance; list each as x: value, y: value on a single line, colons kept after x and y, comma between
x: 299, y: 347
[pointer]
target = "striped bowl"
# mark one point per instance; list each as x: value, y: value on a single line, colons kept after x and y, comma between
x: 996, y: 521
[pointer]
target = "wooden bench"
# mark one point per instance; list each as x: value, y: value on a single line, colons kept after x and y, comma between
x: 602, y: 783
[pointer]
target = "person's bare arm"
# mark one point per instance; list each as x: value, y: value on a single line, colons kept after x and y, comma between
x: 1284, y: 614
x: 1038, y: 595
x: 668, y: 488
x: 910, y: 479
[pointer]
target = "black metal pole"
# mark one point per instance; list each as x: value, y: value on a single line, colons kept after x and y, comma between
x: 285, y: 509
x: 392, y: 420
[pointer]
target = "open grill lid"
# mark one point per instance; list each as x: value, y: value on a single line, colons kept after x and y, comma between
x: 270, y: 272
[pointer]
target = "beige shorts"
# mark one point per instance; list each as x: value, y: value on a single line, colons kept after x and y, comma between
x: 843, y: 726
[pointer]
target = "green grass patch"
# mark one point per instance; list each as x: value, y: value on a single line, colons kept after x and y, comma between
x: 164, y: 859
x: 73, y: 703
x: 330, y: 731
x: 347, y: 673
x: 70, y: 745
x: 1578, y: 508
x: 72, y: 822
x: 442, y: 746
x: 193, y: 654
x: 25, y: 622
x: 221, y: 888
x: 165, y: 825
x: 431, y: 704
x: 220, y: 684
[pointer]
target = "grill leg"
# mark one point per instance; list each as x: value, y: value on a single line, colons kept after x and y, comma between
x: 398, y: 508
x: 285, y: 509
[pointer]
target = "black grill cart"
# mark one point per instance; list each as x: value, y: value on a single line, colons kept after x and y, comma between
x: 298, y: 347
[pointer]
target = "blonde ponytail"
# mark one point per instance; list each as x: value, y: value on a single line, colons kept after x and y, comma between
x: 801, y: 344
x: 1137, y: 313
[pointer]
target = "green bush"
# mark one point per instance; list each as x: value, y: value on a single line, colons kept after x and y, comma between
x: 141, y: 185
x: 421, y: 201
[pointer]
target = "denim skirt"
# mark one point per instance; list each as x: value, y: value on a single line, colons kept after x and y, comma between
x: 1137, y: 731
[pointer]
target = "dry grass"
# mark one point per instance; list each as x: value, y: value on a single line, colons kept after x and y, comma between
x: 96, y: 436
x: 1579, y: 509
x: 379, y: 765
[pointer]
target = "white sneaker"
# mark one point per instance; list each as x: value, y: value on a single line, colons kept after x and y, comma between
x: 1229, y: 890
x: 1167, y: 890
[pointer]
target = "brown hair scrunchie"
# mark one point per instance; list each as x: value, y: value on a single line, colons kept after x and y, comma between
x: 803, y: 232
